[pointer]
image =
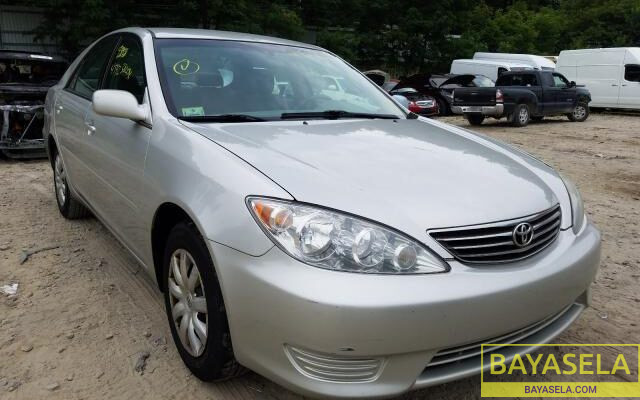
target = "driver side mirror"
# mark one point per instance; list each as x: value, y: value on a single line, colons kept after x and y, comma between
x: 572, y: 84
x: 119, y: 104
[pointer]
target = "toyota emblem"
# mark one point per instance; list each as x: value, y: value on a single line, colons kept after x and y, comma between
x: 522, y: 234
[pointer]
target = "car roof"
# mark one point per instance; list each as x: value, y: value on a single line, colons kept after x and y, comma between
x: 178, y: 33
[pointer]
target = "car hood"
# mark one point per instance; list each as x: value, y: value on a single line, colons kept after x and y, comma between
x: 410, y: 174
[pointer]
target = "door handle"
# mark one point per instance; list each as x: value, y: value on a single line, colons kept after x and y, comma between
x: 624, y: 84
x: 91, y: 129
x: 614, y: 84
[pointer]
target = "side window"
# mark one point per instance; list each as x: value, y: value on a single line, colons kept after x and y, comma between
x: 126, y: 71
x: 504, y: 80
x: 560, y: 81
x: 88, y: 75
x: 632, y: 73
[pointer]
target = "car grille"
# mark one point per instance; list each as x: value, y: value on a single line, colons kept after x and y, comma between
x: 495, y: 242
x: 471, y: 350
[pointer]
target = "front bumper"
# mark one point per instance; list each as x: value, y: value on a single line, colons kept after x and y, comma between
x: 275, y: 303
x: 490, y: 111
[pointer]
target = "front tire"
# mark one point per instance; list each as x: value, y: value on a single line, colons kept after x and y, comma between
x: 521, y: 115
x: 69, y: 206
x: 474, y: 119
x: 580, y: 113
x: 195, y: 307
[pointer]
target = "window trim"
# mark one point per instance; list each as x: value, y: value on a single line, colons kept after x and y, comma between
x: 74, y: 76
x: 137, y: 39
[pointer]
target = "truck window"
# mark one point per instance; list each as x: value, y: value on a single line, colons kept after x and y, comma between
x: 560, y: 81
x: 504, y: 80
x: 524, y: 80
x: 632, y: 73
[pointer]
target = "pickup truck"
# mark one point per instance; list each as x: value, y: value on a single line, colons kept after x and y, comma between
x: 522, y: 96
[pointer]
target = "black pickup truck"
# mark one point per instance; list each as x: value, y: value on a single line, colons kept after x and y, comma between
x: 521, y: 96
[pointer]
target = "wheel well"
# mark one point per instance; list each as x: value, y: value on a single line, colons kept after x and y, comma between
x: 166, y: 217
x: 52, y: 148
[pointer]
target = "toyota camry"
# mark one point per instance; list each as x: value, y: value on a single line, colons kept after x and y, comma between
x: 304, y: 225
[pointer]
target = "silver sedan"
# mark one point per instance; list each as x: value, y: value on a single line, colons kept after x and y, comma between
x: 311, y: 229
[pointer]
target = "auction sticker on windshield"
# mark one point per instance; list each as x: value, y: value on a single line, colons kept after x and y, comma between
x: 560, y: 370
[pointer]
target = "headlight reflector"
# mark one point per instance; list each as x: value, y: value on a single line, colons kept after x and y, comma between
x: 577, y: 206
x: 332, y: 240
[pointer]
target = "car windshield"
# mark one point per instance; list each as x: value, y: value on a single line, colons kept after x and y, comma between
x: 30, y: 72
x: 206, y: 77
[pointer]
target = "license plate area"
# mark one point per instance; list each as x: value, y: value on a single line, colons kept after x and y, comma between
x: 471, y: 109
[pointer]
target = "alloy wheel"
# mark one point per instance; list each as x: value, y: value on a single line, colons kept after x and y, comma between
x: 188, y: 302
x: 523, y: 115
x: 579, y: 112
x: 60, y: 177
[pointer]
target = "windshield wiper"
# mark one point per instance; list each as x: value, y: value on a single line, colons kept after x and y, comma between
x: 222, y: 118
x: 335, y: 114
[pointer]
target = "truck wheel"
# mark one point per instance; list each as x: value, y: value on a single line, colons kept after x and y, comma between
x: 520, y: 116
x: 580, y: 113
x: 474, y: 119
x: 443, y: 108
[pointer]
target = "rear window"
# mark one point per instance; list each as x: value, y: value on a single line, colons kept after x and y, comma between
x: 518, y: 80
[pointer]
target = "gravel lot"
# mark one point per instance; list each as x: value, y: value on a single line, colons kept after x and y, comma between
x: 85, y: 313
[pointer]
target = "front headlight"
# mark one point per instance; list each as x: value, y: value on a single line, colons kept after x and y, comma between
x: 331, y: 240
x: 577, y: 206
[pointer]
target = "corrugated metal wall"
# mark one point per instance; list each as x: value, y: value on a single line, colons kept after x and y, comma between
x: 16, y: 30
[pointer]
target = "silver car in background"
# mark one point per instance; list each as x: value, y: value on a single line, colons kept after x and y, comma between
x: 330, y: 241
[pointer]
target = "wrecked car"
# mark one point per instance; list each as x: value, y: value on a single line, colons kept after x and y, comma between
x: 24, y: 80
x: 440, y: 86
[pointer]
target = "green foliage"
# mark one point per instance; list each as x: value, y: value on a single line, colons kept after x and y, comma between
x: 400, y: 36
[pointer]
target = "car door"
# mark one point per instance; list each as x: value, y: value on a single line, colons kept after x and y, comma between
x: 630, y: 87
x: 529, y: 82
x: 561, y: 95
x: 118, y: 148
x: 71, y: 107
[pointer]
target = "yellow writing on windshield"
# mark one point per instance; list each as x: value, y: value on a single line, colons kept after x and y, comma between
x: 186, y: 67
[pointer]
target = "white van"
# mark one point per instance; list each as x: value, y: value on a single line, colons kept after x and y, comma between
x: 537, y: 62
x: 611, y: 75
x: 490, y: 69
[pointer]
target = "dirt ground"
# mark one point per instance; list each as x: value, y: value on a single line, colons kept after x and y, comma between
x: 85, y: 313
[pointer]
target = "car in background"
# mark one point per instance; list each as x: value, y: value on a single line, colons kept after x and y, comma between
x: 611, y: 75
x: 440, y: 87
x: 418, y: 103
x: 492, y: 69
x: 536, y: 62
x: 524, y: 96
x: 25, y: 78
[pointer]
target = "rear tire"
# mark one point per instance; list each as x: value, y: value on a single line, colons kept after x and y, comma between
x: 70, y: 207
x: 443, y: 107
x: 521, y: 115
x: 580, y: 113
x: 202, y: 339
x: 474, y: 119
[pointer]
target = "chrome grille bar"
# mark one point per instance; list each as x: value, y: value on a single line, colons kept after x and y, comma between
x: 493, y: 242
